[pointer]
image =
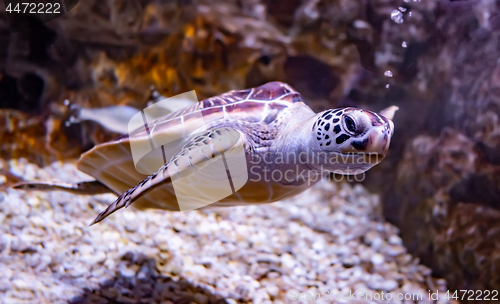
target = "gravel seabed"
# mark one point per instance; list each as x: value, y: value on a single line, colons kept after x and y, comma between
x: 330, y: 238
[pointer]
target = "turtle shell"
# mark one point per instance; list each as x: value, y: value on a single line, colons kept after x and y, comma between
x: 112, y: 163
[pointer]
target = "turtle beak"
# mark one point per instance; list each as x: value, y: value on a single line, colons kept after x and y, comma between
x: 374, y: 144
x: 380, y: 138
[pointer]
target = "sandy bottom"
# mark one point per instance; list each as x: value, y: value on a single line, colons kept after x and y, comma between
x: 329, y: 240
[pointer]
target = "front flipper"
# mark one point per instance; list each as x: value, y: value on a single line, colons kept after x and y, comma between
x: 208, y: 168
x: 83, y: 188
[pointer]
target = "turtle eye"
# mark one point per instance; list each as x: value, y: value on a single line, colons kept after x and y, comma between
x: 350, y: 124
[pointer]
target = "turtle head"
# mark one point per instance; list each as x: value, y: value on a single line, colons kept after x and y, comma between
x: 356, y: 139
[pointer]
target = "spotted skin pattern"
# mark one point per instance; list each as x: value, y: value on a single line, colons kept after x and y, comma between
x: 330, y: 130
x: 328, y: 127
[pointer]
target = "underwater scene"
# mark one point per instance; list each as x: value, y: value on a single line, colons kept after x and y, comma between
x: 250, y: 151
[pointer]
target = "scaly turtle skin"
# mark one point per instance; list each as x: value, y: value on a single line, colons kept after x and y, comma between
x: 286, y: 145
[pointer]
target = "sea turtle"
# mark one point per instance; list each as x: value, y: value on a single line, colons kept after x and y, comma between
x: 286, y: 148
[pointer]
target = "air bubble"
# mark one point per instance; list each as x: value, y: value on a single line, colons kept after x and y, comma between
x: 387, y: 86
x: 409, y: 14
x: 404, y: 44
x: 402, y: 9
x: 397, y: 16
x: 388, y: 73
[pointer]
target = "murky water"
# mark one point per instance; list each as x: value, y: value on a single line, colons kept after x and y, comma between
x: 439, y: 184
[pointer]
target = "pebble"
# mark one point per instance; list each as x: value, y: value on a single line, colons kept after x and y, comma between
x: 377, y: 259
x: 238, y: 254
x: 395, y: 240
x: 126, y: 272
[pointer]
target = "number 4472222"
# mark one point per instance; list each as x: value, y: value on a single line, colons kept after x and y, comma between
x: 35, y: 8
x: 478, y: 295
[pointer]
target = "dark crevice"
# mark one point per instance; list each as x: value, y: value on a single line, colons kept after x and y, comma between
x: 22, y: 94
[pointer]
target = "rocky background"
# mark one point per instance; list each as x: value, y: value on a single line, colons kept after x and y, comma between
x: 436, y: 60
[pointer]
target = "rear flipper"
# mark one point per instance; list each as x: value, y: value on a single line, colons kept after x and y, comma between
x: 83, y: 188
